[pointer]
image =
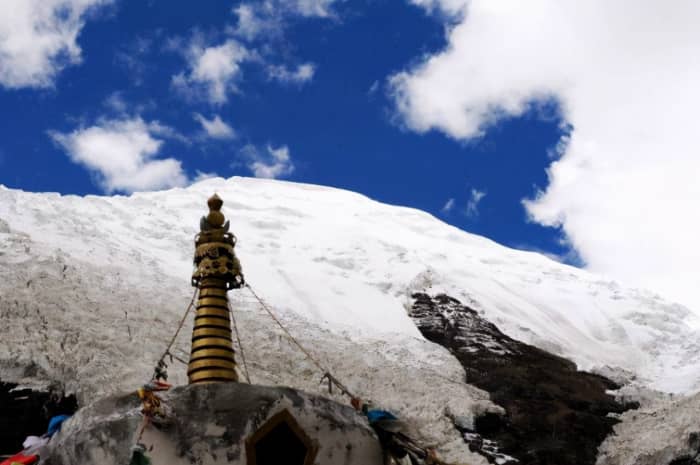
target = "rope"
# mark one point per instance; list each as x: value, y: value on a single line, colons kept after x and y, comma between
x: 240, y: 345
x: 425, y: 453
x: 150, y: 401
x: 179, y: 359
x: 326, y: 373
x: 161, y: 362
x: 142, y: 429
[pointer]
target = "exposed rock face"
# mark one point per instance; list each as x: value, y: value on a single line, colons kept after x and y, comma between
x: 209, y: 424
x: 666, y: 432
x: 554, y: 413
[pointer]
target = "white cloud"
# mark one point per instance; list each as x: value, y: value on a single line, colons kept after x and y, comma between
x: 38, y: 38
x: 116, y: 102
x: 215, y: 128
x: 269, y: 18
x: 262, y: 25
x: 213, y: 70
x: 449, y: 206
x: 452, y: 8
x: 302, y: 74
x: 626, y: 77
x: 269, y: 163
x: 256, y: 19
x: 122, y: 154
x: 133, y: 56
x: 472, y: 209
x: 310, y: 8
x: 249, y: 23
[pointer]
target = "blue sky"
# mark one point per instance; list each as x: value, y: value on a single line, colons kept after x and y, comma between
x: 339, y: 127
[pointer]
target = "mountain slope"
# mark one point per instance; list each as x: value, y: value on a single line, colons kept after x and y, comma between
x: 335, y: 258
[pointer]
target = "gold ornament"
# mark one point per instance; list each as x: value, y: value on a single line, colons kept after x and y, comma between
x: 217, y: 270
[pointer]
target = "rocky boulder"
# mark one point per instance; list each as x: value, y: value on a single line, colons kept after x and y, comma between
x: 555, y: 414
x: 665, y: 432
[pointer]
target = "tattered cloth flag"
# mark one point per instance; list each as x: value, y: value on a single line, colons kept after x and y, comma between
x: 21, y: 459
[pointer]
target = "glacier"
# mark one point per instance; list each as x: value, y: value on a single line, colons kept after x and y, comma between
x: 92, y: 289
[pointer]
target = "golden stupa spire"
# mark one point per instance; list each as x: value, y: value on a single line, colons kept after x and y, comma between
x: 217, y: 270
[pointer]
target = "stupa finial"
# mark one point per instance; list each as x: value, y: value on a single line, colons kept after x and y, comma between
x: 215, y: 219
x: 217, y: 270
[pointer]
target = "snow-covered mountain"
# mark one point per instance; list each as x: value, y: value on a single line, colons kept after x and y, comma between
x: 347, y: 263
x: 91, y: 289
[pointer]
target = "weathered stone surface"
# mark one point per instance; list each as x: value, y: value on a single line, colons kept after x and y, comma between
x: 208, y: 425
x: 665, y: 432
x: 555, y: 414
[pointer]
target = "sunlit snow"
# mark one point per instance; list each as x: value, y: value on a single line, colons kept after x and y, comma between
x: 348, y: 264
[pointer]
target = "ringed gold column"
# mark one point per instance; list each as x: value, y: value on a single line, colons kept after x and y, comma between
x: 217, y: 270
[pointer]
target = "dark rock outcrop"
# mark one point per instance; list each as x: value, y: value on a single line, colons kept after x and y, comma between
x: 685, y: 461
x: 25, y: 412
x: 555, y: 414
